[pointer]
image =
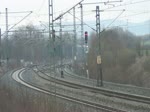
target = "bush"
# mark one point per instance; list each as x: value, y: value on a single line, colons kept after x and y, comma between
x: 126, y: 58
x: 146, y: 64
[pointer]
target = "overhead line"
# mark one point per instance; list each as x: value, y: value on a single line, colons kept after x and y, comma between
x: 83, y: 22
x: 112, y: 22
x: 16, y: 12
x: 131, y: 25
x: 126, y: 4
x: 115, y: 19
x: 41, y: 5
x: 134, y: 14
x: 101, y: 2
x: 67, y: 11
x: 18, y: 22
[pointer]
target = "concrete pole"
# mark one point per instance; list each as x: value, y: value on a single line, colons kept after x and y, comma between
x: 7, y: 57
x: 61, y: 42
x: 99, y: 60
x: 0, y: 49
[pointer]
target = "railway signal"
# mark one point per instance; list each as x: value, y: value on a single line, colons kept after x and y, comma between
x: 86, y: 37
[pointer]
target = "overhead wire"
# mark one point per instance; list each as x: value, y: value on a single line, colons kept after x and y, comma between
x: 115, y: 19
x: 17, y: 23
x: 112, y: 22
x: 131, y: 3
x: 83, y: 22
x: 130, y: 26
x: 43, y: 2
x: 126, y: 4
x: 135, y: 14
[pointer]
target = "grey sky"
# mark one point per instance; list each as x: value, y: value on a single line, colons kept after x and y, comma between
x: 134, y: 12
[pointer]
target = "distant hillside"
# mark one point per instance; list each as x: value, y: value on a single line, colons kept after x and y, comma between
x: 136, y: 28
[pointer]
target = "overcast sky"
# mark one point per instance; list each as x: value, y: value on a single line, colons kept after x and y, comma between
x: 134, y: 12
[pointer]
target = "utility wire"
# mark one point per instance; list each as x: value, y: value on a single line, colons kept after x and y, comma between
x: 131, y: 26
x: 135, y: 14
x: 112, y: 21
x: 83, y: 22
x: 106, y: 3
x: 17, y: 23
x: 67, y: 11
x: 107, y: 26
x: 15, y: 12
x: 115, y: 19
x: 126, y: 4
x: 43, y: 2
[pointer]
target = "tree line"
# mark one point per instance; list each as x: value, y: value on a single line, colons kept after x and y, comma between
x: 125, y: 59
x: 30, y: 44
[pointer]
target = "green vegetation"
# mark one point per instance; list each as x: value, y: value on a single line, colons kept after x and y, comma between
x: 124, y: 58
x: 28, y: 43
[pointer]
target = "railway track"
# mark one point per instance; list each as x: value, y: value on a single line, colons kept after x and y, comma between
x: 17, y: 76
x: 108, y: 84
x: 110, y: 93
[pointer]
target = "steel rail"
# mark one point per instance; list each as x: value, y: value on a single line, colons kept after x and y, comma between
x: 110, y: 93
x: 71, y: 74
x: 65, y: 97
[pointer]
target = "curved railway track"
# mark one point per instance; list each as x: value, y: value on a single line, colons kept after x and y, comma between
x: 17, y: 76
x: 110, y: 93
x: 93, y: 82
